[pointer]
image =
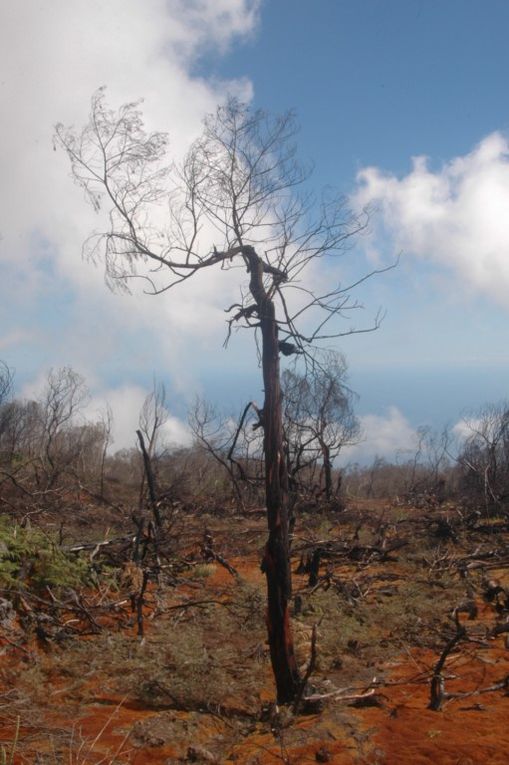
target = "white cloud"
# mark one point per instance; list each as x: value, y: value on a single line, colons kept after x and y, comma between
x: 53, y: 57
x: 463, y: 429
x: 456, y: 216
x: 126, y: 402
x: 390, y: 436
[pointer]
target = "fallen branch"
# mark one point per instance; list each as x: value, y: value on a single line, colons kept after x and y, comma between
x: 501, y: 685
x: 209, y: 553
x: 499, y: 629
x: 437, y: 690
x: 200, y: 603
x: 338, y: 696
x: 96, y: 546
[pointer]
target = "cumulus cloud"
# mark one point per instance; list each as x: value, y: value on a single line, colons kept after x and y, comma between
x: 389, y: 436
x: 125, y: 403
x: 455, y: 216
x: 53, y: 57
x: 463, y: 429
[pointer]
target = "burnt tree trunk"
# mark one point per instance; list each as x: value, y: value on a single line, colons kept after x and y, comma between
x: 276, y: 559
x: 327, y: 470
x: 151, y: 481
x: 314, y: 567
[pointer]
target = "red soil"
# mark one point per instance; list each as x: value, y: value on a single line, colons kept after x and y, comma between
x: 400, y: 731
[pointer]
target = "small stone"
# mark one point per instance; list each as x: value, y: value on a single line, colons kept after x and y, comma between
x: 200, y: 754
x: 323, y: 754
x: 155, y: 741
x: 7, y: 613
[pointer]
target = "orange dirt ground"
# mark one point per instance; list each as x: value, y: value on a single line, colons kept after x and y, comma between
x: 95, y: 725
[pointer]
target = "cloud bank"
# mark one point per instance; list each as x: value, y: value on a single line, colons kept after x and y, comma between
x: 390, y: 436
x: 55, y: 309
x: 455, y: 216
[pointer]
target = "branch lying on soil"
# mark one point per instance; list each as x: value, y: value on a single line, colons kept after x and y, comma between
x: 197, y: 603
x: 209, y: 553
x: 499, y: 629
x: 501, y: 685
x: 339, y: 695
x: 96, y: 546
x: 354, y: 551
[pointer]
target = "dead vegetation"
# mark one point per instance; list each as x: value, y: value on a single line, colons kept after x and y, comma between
x: 402, y: 617
x: 132, y: 611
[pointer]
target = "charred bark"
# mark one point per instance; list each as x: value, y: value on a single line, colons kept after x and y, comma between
x: 327, y: 470
x: 314, y: 567
x: 151, y: 481
x: 437, y: 689
x: 276, y: 560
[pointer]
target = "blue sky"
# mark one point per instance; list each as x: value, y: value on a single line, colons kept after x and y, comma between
x: 374, y: 83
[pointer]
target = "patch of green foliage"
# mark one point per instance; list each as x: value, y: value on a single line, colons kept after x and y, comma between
x: 31, y: 558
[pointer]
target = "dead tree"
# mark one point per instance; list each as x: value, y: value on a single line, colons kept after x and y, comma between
x: 60, y: 443
x: 318, y: 418
x: 6, y: 381
x: 233, y: 202
x: 484, y: 458
x: 151, y: 481
x: 153, y: 416
x: 6, y: 378
x: 106, y: 424
x: 213, y: 432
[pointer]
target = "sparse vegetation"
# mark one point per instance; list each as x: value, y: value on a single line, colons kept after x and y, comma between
x: 7, y: 753
x: 199, y: 679
x: 31, y: 558
x: 131, y: 581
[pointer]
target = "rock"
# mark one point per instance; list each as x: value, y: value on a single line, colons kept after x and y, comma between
x: 200, y: 754
x: 7, y: 613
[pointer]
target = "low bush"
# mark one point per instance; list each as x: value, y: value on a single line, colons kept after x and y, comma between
x: 31, y: 558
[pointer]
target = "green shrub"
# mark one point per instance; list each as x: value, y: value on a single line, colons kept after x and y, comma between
x: 32, y: 558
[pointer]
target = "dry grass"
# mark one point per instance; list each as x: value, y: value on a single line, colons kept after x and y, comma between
x: 202, y: 672
x: 89, y: 751
x: 7, y: 752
